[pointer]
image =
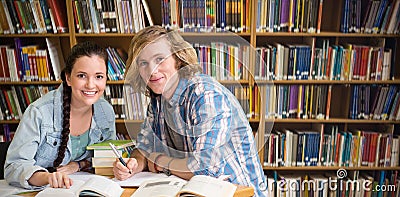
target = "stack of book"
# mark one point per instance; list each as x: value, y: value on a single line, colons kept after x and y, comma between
x: 104, y: 157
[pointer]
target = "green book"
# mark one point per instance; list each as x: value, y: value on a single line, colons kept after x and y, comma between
x: 119, y: 144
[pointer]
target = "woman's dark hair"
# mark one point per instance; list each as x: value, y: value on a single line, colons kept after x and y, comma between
x: 88, y: 49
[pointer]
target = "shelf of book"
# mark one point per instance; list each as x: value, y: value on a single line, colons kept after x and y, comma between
x: 118, y: 121
x: 329, y: 82
x: 328, y: 168
x: 67, y: 35
x: 332, y: 120
x: 232, y: 82
x: 9, y: 121
x: 27, y: 83
x: 325, y: 34
x: 330, y: 30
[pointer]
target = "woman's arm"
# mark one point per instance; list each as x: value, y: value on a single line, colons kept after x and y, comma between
x: 55, y: 179
x: 20, y: 163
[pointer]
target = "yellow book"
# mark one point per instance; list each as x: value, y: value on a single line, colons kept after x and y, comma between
x: 250, y: 93
x: 291, y: 25
x: 310, y: 112
x: 300, y: 101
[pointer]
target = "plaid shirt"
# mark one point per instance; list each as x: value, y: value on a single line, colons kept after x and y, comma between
x: 204, y: 122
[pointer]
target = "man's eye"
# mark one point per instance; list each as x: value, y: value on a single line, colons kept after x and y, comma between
x: 143, y: 64
x: 159, y: 60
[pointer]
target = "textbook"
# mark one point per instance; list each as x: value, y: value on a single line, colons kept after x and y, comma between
x: 199, y: 185
x: 103, y: 149
x: 119, y: 144
x: 95, y: 186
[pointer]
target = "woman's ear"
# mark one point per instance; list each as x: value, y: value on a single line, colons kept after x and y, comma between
x: 68, y: 79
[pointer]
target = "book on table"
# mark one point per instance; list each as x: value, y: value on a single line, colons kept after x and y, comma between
x: 95, y: 186
x: 119, y: 144
x: 199, y: 185
x: 103, y: 157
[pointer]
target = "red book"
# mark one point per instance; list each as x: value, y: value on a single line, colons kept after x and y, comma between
x: 21, y: 21
x: 2, y: 75
x: 6, y: 68
x: 8, y: 104
x: 328, y: 65
x: 59, y: 11
x: 28, y: 102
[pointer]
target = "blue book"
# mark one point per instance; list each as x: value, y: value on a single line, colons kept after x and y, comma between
x: 379, y: 16
x: 381, y: 182
x: 388, y: 102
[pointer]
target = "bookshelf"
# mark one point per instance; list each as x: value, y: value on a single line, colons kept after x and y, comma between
x: 330, y: 29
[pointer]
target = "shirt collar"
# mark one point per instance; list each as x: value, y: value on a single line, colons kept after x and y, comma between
x: 179, y: 95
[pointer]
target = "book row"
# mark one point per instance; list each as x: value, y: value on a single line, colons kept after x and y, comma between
x: 7, y: 134
x: 289, y: 16
x: 355, y: 184
x: 370, y: 16
x: 297, y: 101
x: 116, y: 64
x: 331, y: 147
x: 224, y: 61
x: 375, y: 102
x: 35, y: 16
x: 336, y: 62
x: 127, y: 103
x: 130, y: 105
x: 33, y: 63
x: 15, y: 100
x: 207, y: 15
x: 111, y: 16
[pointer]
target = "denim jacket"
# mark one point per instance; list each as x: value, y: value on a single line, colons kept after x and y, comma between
x: 38, y: 136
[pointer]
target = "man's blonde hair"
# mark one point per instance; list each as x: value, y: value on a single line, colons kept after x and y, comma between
x: 183, y: 53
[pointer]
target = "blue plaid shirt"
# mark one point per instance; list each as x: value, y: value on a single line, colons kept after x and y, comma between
x: 204, y: 122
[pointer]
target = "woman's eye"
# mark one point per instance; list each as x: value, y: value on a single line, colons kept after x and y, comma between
x: 81, y: 76
x: 99, y: 76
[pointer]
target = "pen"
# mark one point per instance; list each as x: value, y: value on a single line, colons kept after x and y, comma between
x: 118, y: 155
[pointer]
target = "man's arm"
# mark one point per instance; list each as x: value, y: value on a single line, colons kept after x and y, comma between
x: 177, y: 167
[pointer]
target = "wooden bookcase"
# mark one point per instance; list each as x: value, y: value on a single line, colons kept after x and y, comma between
x: 330, y: 29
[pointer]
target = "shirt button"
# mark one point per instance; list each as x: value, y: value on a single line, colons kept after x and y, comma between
x: 54, y: 143
x: 101, y: 138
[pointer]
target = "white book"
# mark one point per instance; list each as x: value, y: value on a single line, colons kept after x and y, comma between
x: 147, y: 11
x: 56, y: 55
x: 199, y: 185
x: 12, y: 65
x: 95, y: 186
x: 8, y: 17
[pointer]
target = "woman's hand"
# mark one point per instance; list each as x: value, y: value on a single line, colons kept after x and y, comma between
x: 70, y: 168
x: 59, y: 180
x: 122, y: 172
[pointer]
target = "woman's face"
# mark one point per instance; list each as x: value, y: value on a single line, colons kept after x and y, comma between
x: 87, y: 80
x: 157, y: 67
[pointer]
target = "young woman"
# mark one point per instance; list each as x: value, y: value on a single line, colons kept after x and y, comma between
x: 51, y: 138
x: 194, y: 124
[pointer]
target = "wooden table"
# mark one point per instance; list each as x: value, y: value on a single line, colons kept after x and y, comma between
x: 241, y: 191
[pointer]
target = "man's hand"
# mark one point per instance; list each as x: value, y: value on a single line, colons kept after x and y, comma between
x: 121, y: 172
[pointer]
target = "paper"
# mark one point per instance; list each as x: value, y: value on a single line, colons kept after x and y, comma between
x: 8, y: 190
x: 140, y: 177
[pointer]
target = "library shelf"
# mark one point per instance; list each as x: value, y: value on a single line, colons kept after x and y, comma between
x: 328, y: 168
